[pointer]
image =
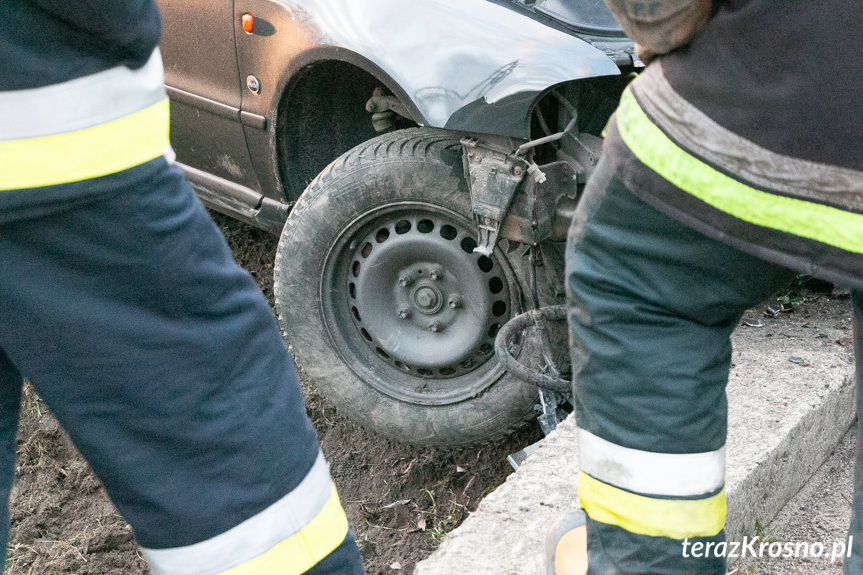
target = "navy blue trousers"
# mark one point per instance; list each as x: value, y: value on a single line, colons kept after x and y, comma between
x: 652, y: 307
x: 159, y: 355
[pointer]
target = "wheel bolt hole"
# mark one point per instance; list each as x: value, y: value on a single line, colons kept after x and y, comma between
x: 485, y: 349
x: 366, y: 334
x: 352, y: 289
x: 367, y: 249
x: 382, y: 353
x: 498, y: 308
x: 356, y: 313
x: 356, y: 269
x: 492, y: 331
x: 382, y: 236
x: 425, y: 372
x: 495, y: 285
x: 448, y: 232
x: 425, y: 226
x: 447, y: 371
x: 402, y: 366
x: 485, y: 263
x: 468, y: 244
x: 403, y: 227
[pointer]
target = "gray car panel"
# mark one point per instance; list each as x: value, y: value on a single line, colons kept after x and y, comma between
x: 202, y: 78
x: 463, y: 65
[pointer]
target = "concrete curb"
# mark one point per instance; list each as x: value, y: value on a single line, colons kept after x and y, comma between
x: 785, y: 417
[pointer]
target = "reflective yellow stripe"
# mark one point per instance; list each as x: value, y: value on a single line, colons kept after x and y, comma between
x: 674, y: 518
x: 818, y: 222
x: 304, y: 549
x: 84, y: 154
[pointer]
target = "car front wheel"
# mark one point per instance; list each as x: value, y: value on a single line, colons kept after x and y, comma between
x: 384, y: 304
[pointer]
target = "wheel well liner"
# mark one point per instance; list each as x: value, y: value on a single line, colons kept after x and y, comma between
x: 321, y: 115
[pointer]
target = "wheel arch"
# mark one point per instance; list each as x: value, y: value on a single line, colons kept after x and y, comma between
x: 310, y: 135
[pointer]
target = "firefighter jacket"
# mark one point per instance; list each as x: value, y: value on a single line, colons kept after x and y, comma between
x: 82, y: 95
x: 752, y: 133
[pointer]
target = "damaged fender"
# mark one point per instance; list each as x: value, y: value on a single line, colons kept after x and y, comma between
x: 466, y: 65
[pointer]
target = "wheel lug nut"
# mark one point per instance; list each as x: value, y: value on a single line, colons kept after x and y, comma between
x: 405, y: 281
x: 404, y: 313
x: 435, y: 274
x: 435, y: 326
x: 455, y: 301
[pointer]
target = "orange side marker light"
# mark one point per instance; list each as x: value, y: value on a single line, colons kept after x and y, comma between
x: 248, y: 23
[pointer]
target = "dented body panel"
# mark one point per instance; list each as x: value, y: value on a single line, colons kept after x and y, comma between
x: 473, y: 66
x: 462, y: 65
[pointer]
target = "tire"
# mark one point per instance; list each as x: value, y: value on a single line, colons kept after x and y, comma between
x: 377, y: 250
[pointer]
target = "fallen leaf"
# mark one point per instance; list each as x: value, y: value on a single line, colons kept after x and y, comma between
x: 398, y: 503
x: 460, y: 469
x: 395, y: 566
x: 843, y: 341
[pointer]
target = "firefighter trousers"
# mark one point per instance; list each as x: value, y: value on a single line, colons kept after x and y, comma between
x: 125, y: 310
x: 652, y: 304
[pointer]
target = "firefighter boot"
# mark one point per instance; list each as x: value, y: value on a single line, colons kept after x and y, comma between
x: 566, y: 545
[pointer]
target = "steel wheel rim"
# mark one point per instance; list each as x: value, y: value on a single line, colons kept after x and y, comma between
x: 385, y: 299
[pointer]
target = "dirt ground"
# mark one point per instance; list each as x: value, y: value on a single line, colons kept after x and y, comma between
x: 400, y: 500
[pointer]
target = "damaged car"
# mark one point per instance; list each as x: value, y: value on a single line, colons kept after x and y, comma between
x: 421, y: 162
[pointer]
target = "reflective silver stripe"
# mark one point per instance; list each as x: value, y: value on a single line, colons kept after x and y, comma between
x: 645, y: 472
x: 82, y: 102
x: 693, y: 130
x: 252, y: 537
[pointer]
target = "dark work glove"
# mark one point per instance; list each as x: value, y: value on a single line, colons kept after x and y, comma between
x: 659, y: 26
